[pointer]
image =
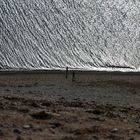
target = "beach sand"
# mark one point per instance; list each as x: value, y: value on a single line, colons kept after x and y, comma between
x: 90, y: 106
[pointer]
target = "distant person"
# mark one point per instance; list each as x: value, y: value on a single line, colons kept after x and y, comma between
x: 73, y: 76
x: 66, y: 72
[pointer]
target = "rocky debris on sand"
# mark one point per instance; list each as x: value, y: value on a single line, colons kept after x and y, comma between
x: 1, y: 106
x: 19, y: 138
x: 55, y: 124
x: 136, y: 131
x: 115, y: 137
x: 41, y: 115
x: 17, y: 131
x: 95, y: 111
x: 1, y: 125
x: 98, y: 118
x: 46, y: 104
x: 114, y: 130
x: 37, y: 129
x: 125, y: 120
x: 34, y: 104
x: 27, y: 126
x: 95, y: 138
x: 23, y: 110
x: 7, y: 90
x: 1, y: 132
x: 132, y: 138
x: 67, y: 138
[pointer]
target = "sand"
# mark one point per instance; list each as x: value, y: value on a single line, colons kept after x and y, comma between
x: 47, y: 106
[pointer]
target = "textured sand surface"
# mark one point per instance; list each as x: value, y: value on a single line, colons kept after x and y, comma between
x: 75, y: 33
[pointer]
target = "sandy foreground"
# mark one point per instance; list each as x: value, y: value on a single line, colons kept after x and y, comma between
x: 90, y: 106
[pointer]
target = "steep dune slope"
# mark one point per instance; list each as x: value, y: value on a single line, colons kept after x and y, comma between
x: 73, y: 33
